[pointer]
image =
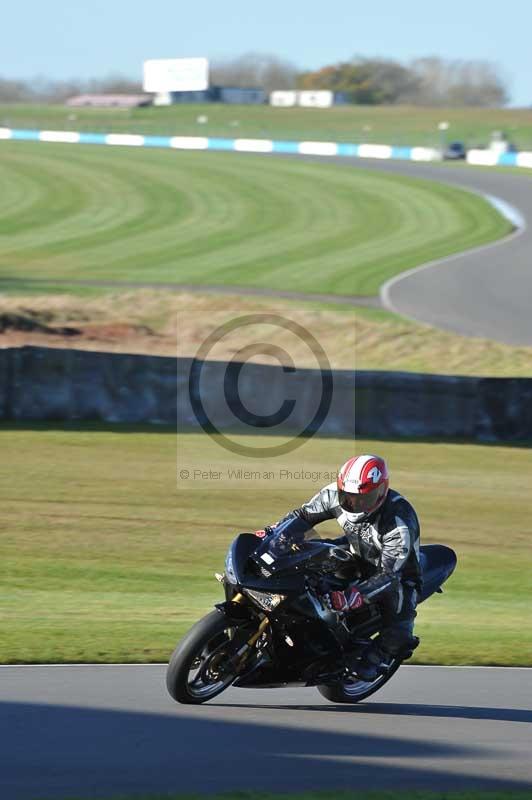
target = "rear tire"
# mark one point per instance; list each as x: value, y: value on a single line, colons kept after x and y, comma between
x: 192, y: 656
x: 353, y: 691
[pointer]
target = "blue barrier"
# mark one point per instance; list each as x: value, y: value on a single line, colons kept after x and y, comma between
x: 402, y: 153
x: 27, y: 136
x: 285, y: 147
x: 157, y: 141
x: 221, y: 144
x: 508, y: 160
x: 92, y: 138
x: 350, y: 150
x: 346, y: 149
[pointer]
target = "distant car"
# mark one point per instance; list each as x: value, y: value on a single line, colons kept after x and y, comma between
x: 455, y: 150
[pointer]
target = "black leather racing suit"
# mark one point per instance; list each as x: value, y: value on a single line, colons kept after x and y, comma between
x: 387, y: 543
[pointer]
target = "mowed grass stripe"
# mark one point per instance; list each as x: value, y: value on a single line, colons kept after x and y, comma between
x: 104, y: 204
x: 227, y: 219
x: 17, y: 193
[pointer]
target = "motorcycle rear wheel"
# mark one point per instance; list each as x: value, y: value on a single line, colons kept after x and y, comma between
x: 196, y: 672
x: 355, y: 690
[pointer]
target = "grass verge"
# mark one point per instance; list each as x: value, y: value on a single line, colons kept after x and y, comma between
x: 401, y: 125
x: 155, y: 322
x: 387, y: 341
x: 81, y: 212
x: 108, y: 556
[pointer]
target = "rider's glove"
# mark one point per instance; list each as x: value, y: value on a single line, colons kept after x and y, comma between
x: 264, y: 532
x: 348, y: 600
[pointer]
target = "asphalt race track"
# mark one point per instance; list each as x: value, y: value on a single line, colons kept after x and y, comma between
x: 485, y: 292
x: 98, y: 731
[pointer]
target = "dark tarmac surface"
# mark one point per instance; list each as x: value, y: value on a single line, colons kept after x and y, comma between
x: 99, y: 731
x: 485, y: 292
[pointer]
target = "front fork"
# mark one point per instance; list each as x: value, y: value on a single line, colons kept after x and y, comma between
x: 235, y: 607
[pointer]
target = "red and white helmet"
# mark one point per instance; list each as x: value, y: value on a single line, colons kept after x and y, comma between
x: 363, y: 484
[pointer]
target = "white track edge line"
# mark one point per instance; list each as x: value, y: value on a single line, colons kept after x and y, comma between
x: 508, y: 211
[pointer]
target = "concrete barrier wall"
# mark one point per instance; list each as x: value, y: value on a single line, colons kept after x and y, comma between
x: 51, y: 384
x: 446, y: 407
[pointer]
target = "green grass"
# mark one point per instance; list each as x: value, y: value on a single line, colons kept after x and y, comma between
x: 400, y: 125
x: 364, y: 338
x: 396, y: 344
x: 361, y: 338
x: 107, y: 557
x: 82, y: 212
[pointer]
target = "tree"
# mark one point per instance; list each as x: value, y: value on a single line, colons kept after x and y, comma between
x: 114, y: 84
x: 371, y: 81
x: 383, y: 81
x: 42, y: 90
x: 457, y: 83
x: 255, y: 70
x: 426, y: 81
x: 335, y: 77
x: 14, y: 91
x: 367, y: 81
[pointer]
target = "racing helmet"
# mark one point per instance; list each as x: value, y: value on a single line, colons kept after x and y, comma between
x: 363, y: 484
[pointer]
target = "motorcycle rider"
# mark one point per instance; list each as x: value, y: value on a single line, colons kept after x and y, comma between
x: 381, y: 528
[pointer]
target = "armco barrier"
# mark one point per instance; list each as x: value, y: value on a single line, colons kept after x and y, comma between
x: 380, y: 151
x: 51, y: 384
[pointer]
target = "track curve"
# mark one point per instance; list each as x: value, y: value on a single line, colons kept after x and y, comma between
x: 485, y: 292
x: 97, y: 731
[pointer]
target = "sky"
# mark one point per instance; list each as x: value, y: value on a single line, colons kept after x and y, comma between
x: 63, y: 39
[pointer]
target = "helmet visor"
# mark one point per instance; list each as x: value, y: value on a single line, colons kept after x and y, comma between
x: 360, y: 503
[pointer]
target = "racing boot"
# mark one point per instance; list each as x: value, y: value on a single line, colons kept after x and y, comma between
x: 374, y: 662
x: 377, y: 659
x: 407, y: 650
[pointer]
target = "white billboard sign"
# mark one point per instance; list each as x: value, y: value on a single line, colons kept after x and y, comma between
x: 316, y: 99
x: 283, y: 99
x: 176, y: 75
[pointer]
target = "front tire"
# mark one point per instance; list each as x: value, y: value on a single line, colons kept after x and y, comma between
x: 355, y: 690
x: 196, y: 672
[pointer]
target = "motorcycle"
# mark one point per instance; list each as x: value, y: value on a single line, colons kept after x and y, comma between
x: 275, y: 628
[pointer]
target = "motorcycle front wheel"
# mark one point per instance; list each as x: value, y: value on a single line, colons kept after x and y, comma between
x: 354, y: 689
x: 199, y: 668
